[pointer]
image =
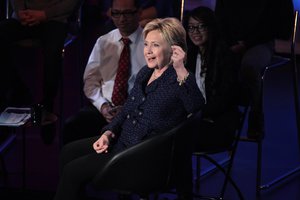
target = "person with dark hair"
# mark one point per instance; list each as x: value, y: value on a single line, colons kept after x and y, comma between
x: 250, y: 28
x: 45, y: 20
x: 215, y: 68
x: 163, y: 95
x: 101, y: 72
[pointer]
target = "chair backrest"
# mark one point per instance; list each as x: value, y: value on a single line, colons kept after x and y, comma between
x: 143, y: 168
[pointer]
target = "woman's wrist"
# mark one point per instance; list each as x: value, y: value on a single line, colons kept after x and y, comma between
x: 110, y: 135
x: 181, y: 72
x: 183, y: 79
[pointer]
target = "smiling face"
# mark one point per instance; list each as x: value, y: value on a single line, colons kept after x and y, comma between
x: 197, y: 32
x: 157, y: 50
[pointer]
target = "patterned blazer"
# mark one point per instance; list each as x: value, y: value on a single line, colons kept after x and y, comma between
x: 154, y: 108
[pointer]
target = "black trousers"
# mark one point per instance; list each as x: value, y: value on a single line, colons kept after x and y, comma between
x: 79, y: 163
x: 52, y: 35
x: 86, y: 123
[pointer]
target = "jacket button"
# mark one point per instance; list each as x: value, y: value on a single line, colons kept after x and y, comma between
x: 134, y: 121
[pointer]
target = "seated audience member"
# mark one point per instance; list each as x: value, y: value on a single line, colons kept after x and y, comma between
x: 151, y: 9
x: 47, y: 21
x: 214, y: 66
x: 215, y: 69
x: 148, y: 12
x: 250, y: 28
x: 164, y: 93
x: 101, y: 71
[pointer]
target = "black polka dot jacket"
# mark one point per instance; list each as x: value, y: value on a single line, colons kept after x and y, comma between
x: 154, y: 108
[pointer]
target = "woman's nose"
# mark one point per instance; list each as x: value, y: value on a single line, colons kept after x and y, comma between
x: 148, y: 49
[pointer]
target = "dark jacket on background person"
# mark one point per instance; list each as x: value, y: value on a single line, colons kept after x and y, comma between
x: 221, y: 81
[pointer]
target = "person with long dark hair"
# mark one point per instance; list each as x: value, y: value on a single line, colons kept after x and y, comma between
x: 215, y: 69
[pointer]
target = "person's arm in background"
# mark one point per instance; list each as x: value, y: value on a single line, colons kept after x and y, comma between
x: 93, y: 83
x: 32, y: 14
x: 61, y: 9
x: 18, y: 5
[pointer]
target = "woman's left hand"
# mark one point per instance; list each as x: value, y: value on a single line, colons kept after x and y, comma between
x: 178, y: 56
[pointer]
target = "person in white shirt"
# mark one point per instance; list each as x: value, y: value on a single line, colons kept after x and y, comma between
x: 101, y: 69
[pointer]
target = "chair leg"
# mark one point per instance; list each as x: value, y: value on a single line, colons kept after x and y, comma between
x: 198, y: 173
x: 232, y: 155
x: 227, y: 176
x: 258, y: 168
x: 61, y: 98
x: 3, y: 168
x: 228, y: 172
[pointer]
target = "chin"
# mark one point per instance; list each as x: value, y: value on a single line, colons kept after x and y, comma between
x: 152, y: 65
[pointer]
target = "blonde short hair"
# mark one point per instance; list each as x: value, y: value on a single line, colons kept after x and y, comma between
x: 170, y: 28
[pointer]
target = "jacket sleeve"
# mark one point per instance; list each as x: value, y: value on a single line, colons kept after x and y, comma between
x: 191, y: 95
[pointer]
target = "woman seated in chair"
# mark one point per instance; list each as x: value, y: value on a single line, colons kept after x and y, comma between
x: 215, y: 69
x: 163, y: 95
